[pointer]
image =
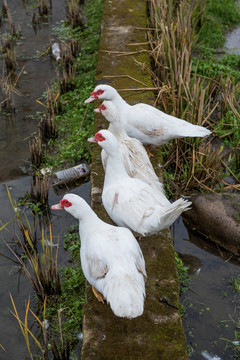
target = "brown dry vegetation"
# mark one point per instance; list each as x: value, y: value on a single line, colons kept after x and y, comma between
x: 185, y: 94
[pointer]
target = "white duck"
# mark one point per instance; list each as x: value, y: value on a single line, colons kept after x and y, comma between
x: 111, y: 259
x: 145, y: 122
x: 131, y: 202
x: 135, y: 157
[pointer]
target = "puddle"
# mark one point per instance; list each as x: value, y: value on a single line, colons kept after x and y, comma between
x: 232, y: 44
x: 210, y: 304
x: 37, y: 73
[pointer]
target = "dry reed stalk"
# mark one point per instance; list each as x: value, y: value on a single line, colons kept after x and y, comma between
x: 5, y: 43
x: 185, y: 94
x: 8, y: 87
x: 124, y: 76
x: 39, y: 189
x: 43, y: 7
x: 7, y: 103
x: 43, y: 267
x: 36, y: 152
x: 10, y: 60
x: 74, y: 14
x: 10, y: 20
x: 66, y: 73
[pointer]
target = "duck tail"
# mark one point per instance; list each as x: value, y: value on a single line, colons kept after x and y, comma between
x: 174, y: 211
x: 195, y: 131
x: 125, y: 293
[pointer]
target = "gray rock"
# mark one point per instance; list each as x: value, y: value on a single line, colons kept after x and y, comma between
x: 218, y: 217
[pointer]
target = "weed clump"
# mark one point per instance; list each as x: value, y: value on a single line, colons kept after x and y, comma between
x: 199, y: 91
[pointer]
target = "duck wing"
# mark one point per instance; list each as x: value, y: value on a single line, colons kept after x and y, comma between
x: 130, y: 202
x: 97, y: 268
x: 153, y: 126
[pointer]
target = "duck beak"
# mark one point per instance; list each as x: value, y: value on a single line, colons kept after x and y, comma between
x: 97, y: 110
x: 90, y: 99
x: 92, y: 140
x: 57, y: 207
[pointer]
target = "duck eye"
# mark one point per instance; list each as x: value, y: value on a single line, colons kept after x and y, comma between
x: 102, y: 107
x: 65, y: 203
x: 100, y: 92
x: 99, y: 137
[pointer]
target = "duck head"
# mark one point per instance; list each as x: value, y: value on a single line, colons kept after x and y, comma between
x: 109, y: 111
x: 73, y: 204
x: 102, y: 92
x: 106, y: 140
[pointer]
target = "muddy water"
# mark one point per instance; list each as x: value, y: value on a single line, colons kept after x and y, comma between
x: 15, y: 131
x: 37, y: 73
x: 211, y: 305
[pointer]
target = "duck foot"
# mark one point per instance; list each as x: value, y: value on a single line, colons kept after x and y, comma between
x: 98, y: 295
x: 147, y: 147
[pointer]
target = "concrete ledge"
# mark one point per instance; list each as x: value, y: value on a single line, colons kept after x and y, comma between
x: 158, y: 333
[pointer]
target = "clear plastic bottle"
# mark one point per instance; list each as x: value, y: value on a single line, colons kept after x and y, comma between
x: 56, y: 52
x: 70, y: 174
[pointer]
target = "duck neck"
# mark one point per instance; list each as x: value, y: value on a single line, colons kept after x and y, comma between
x: 115, y: 169
x: 119, y: 102
x: 117, y: 130
x: 85, y: 214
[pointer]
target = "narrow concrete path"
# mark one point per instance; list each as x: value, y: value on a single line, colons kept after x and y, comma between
x: 158, y: 333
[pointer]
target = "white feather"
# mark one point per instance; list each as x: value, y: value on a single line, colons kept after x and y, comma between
x: 130, y: 202
x: 146, y: 123
x: 135, y: 157
x: 111, y: 260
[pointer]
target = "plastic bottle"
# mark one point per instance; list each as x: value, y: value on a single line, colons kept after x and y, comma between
x: 56, y: 52
x: 70, y: 174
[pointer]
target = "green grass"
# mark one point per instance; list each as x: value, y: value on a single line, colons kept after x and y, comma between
x: 75, y: 123
x: 70, y: 303
x: 183, y: 276
x: 72, y: 297
x: 219, y: 16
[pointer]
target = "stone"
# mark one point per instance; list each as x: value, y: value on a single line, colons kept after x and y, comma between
x: 217, y: 216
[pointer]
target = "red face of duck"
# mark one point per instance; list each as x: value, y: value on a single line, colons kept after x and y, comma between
x: 100, y: 109
x: 64, y: 203
x: 94, y: 95
x: 98, y: 137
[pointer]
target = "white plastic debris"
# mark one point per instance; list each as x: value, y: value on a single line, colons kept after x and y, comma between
x: 236, y: 343
x: 45, y: 171
x: 208, y: 356
x: 56, y: 51
x: 198, y: 271
x: 71, y: 174
x: 80, y: 336
x: 47, y: 242
x: 45, y: 323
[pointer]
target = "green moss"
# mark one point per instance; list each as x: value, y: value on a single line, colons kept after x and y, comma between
x: 237, y: 216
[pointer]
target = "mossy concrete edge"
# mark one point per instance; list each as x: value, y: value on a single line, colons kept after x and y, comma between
x: 158, y: 333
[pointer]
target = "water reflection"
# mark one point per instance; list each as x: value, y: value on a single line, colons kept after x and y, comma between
x: 12, y: 278
x: 210, y: 304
